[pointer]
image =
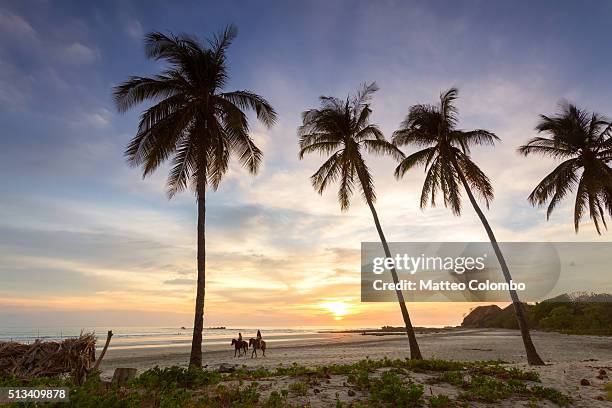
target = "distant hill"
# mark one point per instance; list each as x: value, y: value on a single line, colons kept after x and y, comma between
x: 577, y: 313
x: 581, y: 297
x: 480, y: 315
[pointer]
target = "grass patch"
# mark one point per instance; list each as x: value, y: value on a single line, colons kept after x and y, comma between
x: 608, y: 388
x: 550, y: 394
x: 439, y: 401
x: 489, y: 388
x: 299, y: 388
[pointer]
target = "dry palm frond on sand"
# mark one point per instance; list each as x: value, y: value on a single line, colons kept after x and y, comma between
x: 72, y: 356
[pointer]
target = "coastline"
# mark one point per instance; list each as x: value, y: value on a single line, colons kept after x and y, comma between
x: 455, y: 344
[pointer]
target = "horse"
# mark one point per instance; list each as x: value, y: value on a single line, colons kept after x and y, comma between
x: 240, y: 346
x: 258, y: 344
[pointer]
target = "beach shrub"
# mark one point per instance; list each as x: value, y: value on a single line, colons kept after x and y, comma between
x: 452, y: 377
x: 175, y: 399
x: 173, y: 377
x: 432, y: 365
x: 496, y: 370
x: 299, y: 388
x: 486, y: 389
x: 439, y: 401
x: 276, y: 400
x: 550, y: 394
x: 360, y: 379
x: 608, y: 388
x: 238, y: 397
x: 390, y: 389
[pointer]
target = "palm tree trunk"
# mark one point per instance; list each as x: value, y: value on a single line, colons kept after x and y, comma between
x: 415, y: 352
x: 198, y: 324
x: 532, y: 355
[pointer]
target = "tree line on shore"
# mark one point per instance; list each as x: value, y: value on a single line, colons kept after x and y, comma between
x: 589, y: 314
x: 196, y: 126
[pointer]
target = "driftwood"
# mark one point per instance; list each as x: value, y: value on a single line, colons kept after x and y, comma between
x: 72, y: 356
x: 122, y: 375
x: 108, y: 339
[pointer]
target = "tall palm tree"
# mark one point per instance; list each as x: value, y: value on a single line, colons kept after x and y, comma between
x: 583, y: 140
x: 446, y: 157
x: 342, y: 130
x: 195, y: 126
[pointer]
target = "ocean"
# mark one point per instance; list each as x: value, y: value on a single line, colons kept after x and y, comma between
x: 125, y: 338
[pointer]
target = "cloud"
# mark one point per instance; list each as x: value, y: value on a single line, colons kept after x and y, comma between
x: 78, y: 54
x: 134, y: 30
x: 180, y: 281
x: 17, y: 26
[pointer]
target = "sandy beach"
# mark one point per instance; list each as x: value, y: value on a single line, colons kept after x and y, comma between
x: 569, y: 358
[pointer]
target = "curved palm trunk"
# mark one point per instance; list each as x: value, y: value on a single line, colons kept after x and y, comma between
x: 415, y: 352
x: 532, y: 355
x: 196, y: 343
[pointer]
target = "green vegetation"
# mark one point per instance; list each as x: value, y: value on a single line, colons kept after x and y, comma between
x: 369, y: 383
x: 439, y: 401
x: 566, y: 317
x: 299, y: 388
x: 390, y: 389
x: 608, y: 388
x: 503, y: 384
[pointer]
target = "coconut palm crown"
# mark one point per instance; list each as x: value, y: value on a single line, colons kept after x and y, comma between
x: 193, y: 123
x: 434, y: 128
x: 583, y: 141
x: 342, y: 129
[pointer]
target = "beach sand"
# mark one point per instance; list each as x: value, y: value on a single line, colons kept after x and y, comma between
x: 569, y: 358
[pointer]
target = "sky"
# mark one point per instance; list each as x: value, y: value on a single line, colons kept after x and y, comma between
x: 85, y: 241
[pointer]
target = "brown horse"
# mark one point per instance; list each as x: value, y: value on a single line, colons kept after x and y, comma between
x: 258, y: 344
x: 240, y: 346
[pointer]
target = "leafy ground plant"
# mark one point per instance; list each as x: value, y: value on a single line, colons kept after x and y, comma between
x: 366, y: 383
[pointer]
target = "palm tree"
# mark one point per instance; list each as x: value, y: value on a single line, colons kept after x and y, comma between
x: 341, y: 129
x: 583, y: 141
x: 195, y: 126
x: 446, y: 157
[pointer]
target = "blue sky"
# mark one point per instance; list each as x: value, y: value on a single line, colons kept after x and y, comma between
x: 81, y: 232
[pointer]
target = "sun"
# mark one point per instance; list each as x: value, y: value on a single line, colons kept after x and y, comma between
x: 338, y: 309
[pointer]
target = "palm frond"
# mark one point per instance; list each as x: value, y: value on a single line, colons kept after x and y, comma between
x: 347, y: 182
x: 139, y: 89
x: 556, y: 184
x: 249, y: 100
x: 222, y: 40
x: 327, y: 173
x: 382, y: 147
x: 183, y: 166
x: 419, y: 158
x: 476, y: 178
